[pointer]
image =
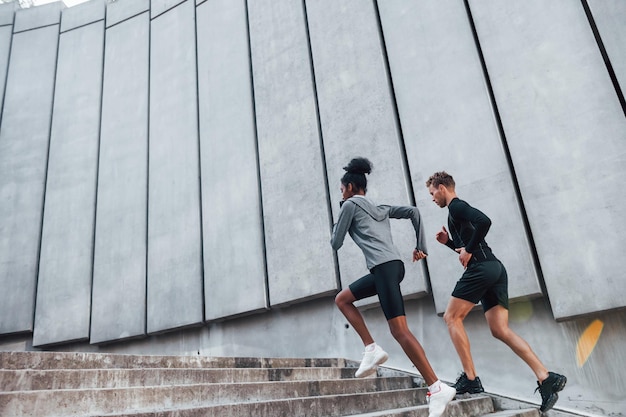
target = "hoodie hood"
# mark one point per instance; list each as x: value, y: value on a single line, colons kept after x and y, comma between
x: 378, y: 213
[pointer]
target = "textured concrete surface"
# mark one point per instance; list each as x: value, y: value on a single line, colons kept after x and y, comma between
x: 448, y: 125
x: 24, y: 138
x: 66, y: 255
x: 609, y: 17
x: 119, y: 11
x: 158, y: 7
x: 38, y: 17
x: 174, y: 228
x: 121, y: 219
x: 358, y: 119
x: 6, y: 33
x: 553, y: 118
x: 234, y: 256
x: 82, y: 14
x: 7, y: 13
x: 300, y: 261
x: 562, y: 121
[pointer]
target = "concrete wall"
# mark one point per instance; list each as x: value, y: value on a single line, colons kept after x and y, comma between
x: 169, y: 175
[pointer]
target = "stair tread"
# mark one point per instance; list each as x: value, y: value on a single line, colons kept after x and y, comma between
x: 417, y: 410
x: 38, y: 379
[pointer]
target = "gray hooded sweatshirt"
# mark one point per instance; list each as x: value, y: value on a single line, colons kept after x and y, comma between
x: 369, y: 227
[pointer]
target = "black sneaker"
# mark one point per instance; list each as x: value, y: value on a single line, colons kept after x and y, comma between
x: 549, y: 388
x: 464, y: 385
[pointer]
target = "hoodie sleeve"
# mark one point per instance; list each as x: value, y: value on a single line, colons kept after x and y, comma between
x: 346, y: 214
x: 412, y: 213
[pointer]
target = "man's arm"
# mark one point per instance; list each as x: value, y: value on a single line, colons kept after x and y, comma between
x: 444, y: 238
x: 343, y: 224
x: 463, y: 211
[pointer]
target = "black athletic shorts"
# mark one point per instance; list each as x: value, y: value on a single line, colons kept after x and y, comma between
x: 486, y: 282
x: 384, y: 280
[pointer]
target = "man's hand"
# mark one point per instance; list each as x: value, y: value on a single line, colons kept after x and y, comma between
x: 418, y: 254
x: 464, y: 257
x: 442, y: 236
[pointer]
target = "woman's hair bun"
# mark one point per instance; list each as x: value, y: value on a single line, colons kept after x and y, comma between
x: 359, y: 166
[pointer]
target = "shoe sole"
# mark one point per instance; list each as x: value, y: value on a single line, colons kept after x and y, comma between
x: 469, y: 392
x: 560, y: 384
x: 550, y: 403
x: 557, y: 387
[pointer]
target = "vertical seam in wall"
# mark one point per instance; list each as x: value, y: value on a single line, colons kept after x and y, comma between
x: 95, y: 211
x: 392, y: 95
x: 398, y: 123
x: 43, y: 202
x: 6, y: 76
x: 258, y: 160
x: 321, y: 140
x: 605, y: 55
x: 507, y: 153
x: 149, y: 11
x: 202, y: 272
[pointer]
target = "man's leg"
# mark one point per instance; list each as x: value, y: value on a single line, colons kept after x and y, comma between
x: 548, y: 383
x: 455, y: 313
x: 498, y: 319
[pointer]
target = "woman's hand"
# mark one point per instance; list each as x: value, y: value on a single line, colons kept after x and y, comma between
x: 418, y: 254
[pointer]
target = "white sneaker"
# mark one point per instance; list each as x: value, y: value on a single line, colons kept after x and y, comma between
x: 438, y: 401
x: 370, y: 362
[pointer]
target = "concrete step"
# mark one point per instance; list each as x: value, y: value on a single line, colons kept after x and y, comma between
x: 328, y: 406
x: 83, y: 402
x: 82, y: 360
x: 476, y: 406
x: 37, y: 379
x: 522, y: 412
x: 55, y: 384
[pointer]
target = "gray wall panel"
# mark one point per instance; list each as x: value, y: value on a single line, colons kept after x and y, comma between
x: 119, y: 276
x: 445, y: 111
x: 118, y: 11
x: 566, y: 129
x: 23, y: 157
x: 174, y: 228
x: 65, y: 265
x: 232, y: 223
x: 610, y: 18
x: 158, y: 7
x: 7, y: 12
x: 82, y: 14
x: 358, y: 119
x: 6, y: 36
x: 40, y: 16
x: 297, y: 227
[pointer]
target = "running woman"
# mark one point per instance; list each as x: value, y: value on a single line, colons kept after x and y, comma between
x: 484, y: 280
x: 368, y: 225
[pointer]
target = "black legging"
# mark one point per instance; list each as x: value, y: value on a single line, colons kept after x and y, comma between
x: 384, y: 280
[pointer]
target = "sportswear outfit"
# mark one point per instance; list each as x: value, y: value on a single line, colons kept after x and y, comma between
x: 485, y: 281
x: 368, y: 225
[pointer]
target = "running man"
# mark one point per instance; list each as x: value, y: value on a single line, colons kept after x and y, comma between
x: 484, y: 280
x: 369, y: 227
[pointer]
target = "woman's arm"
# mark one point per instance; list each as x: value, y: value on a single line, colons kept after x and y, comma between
x: 412, y: 213
x: 346, y: 214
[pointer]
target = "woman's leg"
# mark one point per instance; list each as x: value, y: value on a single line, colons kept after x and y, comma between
x: 413, y: 349
x: 345, y: 301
